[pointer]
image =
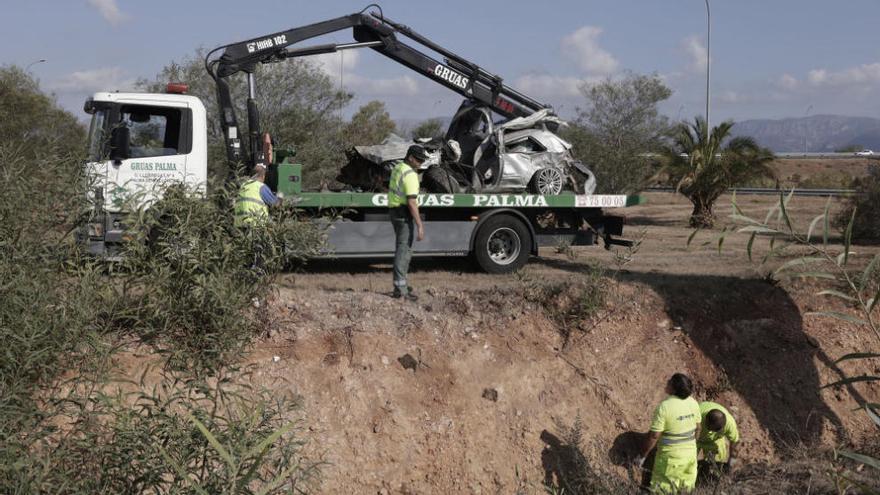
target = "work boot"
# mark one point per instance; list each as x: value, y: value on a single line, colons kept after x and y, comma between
x: 409, y: 296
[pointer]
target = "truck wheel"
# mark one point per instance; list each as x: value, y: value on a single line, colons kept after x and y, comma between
x: 503, y: 244
x: 547, y: 181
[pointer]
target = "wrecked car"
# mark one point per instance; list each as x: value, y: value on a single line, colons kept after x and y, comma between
x: 523, y: 154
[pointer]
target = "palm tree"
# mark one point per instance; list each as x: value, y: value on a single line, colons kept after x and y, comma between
x: 702, y: 170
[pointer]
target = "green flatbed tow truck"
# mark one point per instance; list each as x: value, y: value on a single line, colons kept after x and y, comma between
x: 501, y: 231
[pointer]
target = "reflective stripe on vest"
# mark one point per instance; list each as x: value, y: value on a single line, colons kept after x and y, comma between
x: 673, y: 438
x: 396, y: 197
x: 249, y: 206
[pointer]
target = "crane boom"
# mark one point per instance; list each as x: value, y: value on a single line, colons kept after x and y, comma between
x: 370, y: 30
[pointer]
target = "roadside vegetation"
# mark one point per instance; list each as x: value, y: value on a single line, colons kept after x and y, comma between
x: 187, y: 296
x: 846, y: 280
x: 703, y: 164
x: 863, y: 209
x: 617, y: 130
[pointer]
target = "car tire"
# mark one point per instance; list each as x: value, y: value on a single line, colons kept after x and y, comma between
x: 438, y: 181
x: 547, y: 181
x: 503, y: 244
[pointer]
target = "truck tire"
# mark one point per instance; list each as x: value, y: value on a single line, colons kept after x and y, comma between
x: 503, y: 244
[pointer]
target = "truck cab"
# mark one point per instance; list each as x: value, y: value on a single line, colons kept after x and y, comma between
x: 138, y: 144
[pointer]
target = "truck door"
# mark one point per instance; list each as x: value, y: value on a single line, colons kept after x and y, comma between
x: 160, y: 138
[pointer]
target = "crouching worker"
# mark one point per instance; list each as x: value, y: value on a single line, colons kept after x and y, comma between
x: 717, y: 440
x: 675, y: 428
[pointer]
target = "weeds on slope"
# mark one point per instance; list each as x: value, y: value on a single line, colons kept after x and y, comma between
x: 856, y: 289
x: 569, y: 303
x: 68, y: 425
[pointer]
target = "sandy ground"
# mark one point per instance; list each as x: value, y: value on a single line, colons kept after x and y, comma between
x: 804, y: 168
x: 474, y: 389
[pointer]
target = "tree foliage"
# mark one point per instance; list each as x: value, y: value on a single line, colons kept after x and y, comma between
x: 33, y: 119
x: 864, y: 207
x: 702, y: 168
x: 617, y: 130
x: 298, y: 103
x: 429, y: 129
x: 66, y: 426
x: 371, y: 124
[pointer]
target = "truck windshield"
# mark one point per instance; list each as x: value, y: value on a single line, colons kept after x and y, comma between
x: 98, y: 135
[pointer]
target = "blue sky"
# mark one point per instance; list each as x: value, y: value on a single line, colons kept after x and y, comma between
x: 770, y: 58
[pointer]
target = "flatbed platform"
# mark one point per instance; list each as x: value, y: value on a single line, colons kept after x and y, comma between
x: 380, y: 200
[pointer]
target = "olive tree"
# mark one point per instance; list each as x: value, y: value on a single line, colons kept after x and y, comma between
x: 298, y: 104
x: 618, y: 129
x: 431, y: 128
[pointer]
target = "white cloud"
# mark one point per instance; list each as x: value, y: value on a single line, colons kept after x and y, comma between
x: 697, y: 52
x: 788, y: 82
x: 395, y: 86
x: 109, y: 10
x: 340, y: 66
x: 865, y: 74
x: 582, y: 48
x: 331, y: 63
x: 553, y: 86
x: 89, y: 81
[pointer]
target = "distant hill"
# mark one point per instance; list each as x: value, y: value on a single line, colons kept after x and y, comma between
x: 822, y: 133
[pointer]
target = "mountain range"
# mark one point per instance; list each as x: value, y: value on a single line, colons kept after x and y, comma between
x: 816, y: 133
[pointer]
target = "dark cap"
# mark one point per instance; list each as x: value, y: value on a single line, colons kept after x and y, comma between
x: 417, y: 152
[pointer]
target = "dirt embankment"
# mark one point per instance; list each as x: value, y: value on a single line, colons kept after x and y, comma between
x: 470, y: 390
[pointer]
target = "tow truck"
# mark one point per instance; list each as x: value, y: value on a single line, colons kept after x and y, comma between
x: 157, y: 139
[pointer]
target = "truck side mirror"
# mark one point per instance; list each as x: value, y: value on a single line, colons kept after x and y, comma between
x: 120, y: 144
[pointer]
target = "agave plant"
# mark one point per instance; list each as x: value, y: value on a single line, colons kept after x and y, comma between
x: 702, y: 169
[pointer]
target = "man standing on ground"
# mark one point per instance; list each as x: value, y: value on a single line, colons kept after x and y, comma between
x: 719, y: 431
x: 403, y: 208
x: 254, y: 196
x: 675, y: 428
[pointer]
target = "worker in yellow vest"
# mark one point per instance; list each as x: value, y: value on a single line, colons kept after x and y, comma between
x: 675, y: 428
x: 403, y: 209
x: 254, y: 196
x: 717, y: 440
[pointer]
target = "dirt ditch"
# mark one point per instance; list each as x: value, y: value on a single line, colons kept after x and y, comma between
x: 471, y: 391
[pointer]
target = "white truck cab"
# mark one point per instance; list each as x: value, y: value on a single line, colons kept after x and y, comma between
x: 140, y: 143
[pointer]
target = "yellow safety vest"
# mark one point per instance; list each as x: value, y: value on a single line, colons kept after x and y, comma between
x: 401, y: 175
x: 249, y: 206
x: 677, y: 419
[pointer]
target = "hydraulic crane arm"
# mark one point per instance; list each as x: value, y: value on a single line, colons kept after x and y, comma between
x: 370, y: 31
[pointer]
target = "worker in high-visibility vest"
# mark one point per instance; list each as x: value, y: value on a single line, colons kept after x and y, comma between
x: 403, y: 209
x: 718, y: 439
x: 254, y: 196
x: 675, y: 428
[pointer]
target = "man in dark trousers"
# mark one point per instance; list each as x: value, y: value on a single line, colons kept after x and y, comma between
x: 403, y: 208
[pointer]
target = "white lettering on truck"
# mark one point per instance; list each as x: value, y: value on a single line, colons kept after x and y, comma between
x: 450, y: 75
x: 255, y: 46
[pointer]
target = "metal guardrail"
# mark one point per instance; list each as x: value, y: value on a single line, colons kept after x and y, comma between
x: 769, y: 191
x: 830, y: 156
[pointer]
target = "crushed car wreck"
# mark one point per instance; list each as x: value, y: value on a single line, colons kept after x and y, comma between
x: 523, y: 154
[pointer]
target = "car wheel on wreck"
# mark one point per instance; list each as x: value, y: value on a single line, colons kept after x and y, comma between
x: 437, y: 180
x: 503, y: 244
x: 547, y: 181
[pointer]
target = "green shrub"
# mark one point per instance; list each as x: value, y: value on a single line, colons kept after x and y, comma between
x: 866, y: 205
x: 192, y: 279
x: 185, y: 435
